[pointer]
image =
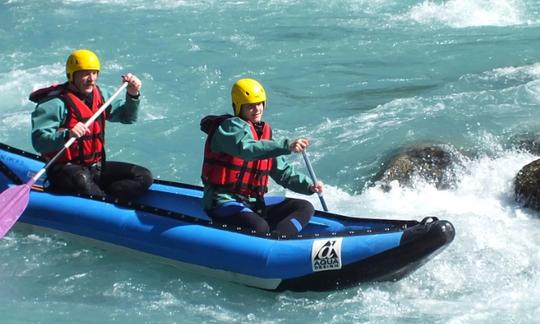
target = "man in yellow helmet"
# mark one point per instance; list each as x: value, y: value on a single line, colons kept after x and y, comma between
x: 239, y: 156
x: 60, y: 113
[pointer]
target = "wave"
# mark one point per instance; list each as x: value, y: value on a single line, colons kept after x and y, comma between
x: 16, y: 85
x: 469, y: 13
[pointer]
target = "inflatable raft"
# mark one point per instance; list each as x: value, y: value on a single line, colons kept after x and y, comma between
x: 333, y: 251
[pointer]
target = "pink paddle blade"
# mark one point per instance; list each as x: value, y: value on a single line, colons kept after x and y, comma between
x: 13, y: 202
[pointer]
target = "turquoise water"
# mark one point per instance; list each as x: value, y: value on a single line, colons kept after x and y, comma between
x: 360, y: 79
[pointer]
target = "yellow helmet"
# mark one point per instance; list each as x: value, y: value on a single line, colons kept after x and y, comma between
x: 246, y: 91
x: 80, y: 60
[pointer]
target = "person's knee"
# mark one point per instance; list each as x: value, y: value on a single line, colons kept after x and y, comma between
x: 84, y: 182
x: 304, y: 207
x: 134, y: 183
x: 298, y: 219
x: 82, y: 179
x: 308, y: 207
x: 143, y: 176
x: 74, y: 180
x: 262, y: 227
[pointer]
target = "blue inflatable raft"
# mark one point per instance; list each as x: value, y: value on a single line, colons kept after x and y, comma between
x: 332, y: 252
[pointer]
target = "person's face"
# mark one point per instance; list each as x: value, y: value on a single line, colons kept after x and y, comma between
x: 252, y: 112
x: 84, y: 81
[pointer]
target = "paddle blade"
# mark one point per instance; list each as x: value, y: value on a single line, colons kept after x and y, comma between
x: 13, y: 202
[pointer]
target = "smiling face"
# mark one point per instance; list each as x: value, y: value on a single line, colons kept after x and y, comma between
x: 85, y: 81
x: 252, y: 112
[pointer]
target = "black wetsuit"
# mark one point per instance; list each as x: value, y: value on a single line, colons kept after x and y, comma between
x: 118, y: 179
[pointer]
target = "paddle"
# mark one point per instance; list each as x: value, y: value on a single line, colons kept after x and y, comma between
x: 314, y: 179
x: 14, y: 200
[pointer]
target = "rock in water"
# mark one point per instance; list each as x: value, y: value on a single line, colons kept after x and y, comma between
x: 527, y: 185
x: 430, y: 162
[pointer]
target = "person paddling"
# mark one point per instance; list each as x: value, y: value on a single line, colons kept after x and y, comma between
x: 239, y: 156
x: 61, y: 113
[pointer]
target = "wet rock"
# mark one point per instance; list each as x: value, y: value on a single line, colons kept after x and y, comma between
x: 527, y: 185
x: 433, y: 163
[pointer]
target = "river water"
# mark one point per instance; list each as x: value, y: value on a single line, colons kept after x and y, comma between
x: 360, y: 79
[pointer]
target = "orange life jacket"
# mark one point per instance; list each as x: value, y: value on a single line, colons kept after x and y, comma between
x: 247, y: 178
x: 89, y: 148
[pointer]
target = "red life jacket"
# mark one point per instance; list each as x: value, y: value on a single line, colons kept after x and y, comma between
x: 247, y: 178
x: 89, y: 148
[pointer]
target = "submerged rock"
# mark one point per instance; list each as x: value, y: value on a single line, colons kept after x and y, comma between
x: 527, y: 185
x: 430, y: 162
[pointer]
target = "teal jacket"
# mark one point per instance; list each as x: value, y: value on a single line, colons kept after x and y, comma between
x: 234, y: 137
x: 49, y: 115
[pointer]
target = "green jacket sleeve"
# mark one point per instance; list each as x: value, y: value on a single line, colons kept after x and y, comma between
x: 285, y: 175
x: 234, y: 137
x: 123, y: 110
x: 46, y: 121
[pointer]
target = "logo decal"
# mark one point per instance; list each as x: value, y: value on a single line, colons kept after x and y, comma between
x: 326, y: 254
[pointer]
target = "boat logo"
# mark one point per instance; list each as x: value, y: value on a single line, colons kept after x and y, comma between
x: 326, y: 254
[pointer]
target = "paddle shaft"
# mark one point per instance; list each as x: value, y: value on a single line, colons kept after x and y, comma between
x: 73, y: 139
x: 314, y: 179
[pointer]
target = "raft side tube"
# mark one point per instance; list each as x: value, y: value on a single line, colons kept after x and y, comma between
x: 418, y: 245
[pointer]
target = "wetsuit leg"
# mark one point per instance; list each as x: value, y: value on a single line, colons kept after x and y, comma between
x: 74, y: 179
x: 236, y: 213
x: 125, y: 180
x: 289, y: 216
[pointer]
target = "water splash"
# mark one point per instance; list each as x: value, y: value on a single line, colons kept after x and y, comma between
x: 469, y: 13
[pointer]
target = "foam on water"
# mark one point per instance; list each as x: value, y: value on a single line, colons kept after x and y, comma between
x: 17, y: 84
x: 469, y: 13
x: 518, y: 72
